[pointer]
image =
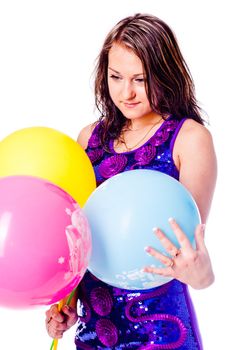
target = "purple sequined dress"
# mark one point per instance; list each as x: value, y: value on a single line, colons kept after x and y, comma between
x: 157, y: 318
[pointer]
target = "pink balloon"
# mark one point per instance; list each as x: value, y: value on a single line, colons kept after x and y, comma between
x: 45, y: 242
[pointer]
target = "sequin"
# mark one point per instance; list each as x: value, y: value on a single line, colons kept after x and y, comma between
x: 159, y: 138
x: 150, y: 327
x: 171, y: 124
x: 106, y: 332
x: 144, y: 155
x: 95, y: 155
x: 101, y: 301
x: 112, y: 165
x: 157, y: 318
x: 94, y: 140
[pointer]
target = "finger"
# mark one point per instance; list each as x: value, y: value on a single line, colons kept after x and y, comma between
x: 48, y: 317
x: 167, y: 244
x: 71, y: 315
x: 180, y: 235
x: 163, y: 258
x: 48, y: 314
x: 56, y: 314
x: 69, y: 311
x: 58, y: 335
x: 56, y: 330
x: 57, y: 326
x: 167, y: 272
x: 48, y: 320
x: 199, y: 237
x: 55, y: 334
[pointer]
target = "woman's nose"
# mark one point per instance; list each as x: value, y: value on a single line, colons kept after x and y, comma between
x: 128, y: 91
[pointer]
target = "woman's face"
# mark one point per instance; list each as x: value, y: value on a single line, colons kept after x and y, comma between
x: 126, y: 82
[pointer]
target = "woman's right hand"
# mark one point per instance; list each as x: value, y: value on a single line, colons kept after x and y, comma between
x: 57, y: 322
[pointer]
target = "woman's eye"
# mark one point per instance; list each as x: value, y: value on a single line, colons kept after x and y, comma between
x: 140, y: 80
x: 115, y: 77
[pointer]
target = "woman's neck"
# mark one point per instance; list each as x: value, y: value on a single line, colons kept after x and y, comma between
x: 143, y: 122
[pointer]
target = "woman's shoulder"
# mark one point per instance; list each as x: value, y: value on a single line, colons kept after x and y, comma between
x: 193, y: 139
x: 85, y: 134
x: 192, y: 131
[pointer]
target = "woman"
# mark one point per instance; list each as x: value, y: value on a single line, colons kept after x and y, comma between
x: 149, y: 119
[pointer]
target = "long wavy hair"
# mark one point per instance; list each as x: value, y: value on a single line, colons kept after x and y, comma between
x: 169, y: 84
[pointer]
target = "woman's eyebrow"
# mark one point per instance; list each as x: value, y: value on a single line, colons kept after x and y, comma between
x: 115, y: 71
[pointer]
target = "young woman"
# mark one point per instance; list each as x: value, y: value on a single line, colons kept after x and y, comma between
x: 149, y: 120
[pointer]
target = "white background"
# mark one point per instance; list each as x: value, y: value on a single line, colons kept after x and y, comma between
x: 47, y: 54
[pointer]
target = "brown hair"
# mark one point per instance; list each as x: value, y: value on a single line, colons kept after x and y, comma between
x: 169, y: 84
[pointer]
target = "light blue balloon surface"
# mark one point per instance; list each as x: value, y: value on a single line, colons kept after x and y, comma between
x: 122, y: 213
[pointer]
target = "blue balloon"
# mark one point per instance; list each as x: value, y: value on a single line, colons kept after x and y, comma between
x: 122, y: 213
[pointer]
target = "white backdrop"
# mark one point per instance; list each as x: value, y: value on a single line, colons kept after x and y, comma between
x: 47, y: 54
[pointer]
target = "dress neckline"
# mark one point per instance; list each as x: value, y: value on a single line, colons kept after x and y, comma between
x: 111, y: 142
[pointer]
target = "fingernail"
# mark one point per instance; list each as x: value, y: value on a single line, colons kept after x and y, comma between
x: 158, y: 232
x: 50, y: 319
x: 66, y: 308
x: 203, y: 229
x: 155, y: 229
x: 147, y: 249
x: 145, y: 269
x: 171, y: 220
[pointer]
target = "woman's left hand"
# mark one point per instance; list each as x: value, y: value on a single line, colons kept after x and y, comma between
x: 188, y: 265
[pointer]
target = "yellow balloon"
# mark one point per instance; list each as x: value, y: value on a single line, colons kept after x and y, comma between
x: 51, y: 155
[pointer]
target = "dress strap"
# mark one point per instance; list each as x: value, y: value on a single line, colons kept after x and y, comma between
x: 173, y: 139
x: 94, y: 140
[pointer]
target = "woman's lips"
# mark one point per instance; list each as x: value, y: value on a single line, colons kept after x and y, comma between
x: 130, y: 105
